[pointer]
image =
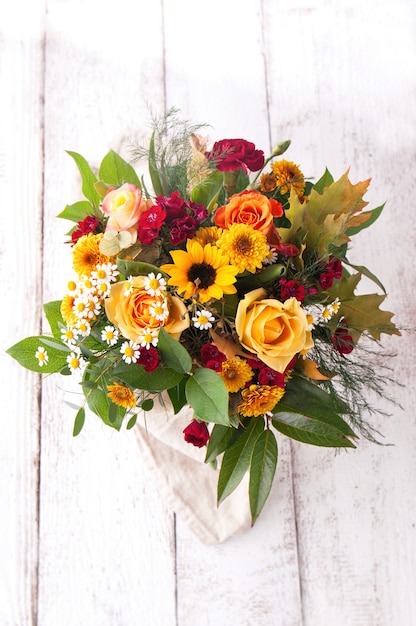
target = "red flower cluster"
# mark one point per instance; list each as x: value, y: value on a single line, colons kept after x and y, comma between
x: 149, y: 359
x: 88, y: 225
x: 212, y: 357
x: 231, y: 154
x: 291, y: 289
x: 150, y: 223
x: 196, y: 433
x: 332, y: 270
x: 341, y: 339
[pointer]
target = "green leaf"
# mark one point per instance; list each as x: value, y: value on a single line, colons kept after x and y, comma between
x: 153, y: 171
x: 77, y: 212
x: 366, y: 219
x: 136, y: 377
x: 147, y: 405
x: 206, y: 192
x: 136, y: 268
x: 173, y: 353
x: 132, y: 422
x: 115, y: 171
x: 24, y: 352
x: 236, y: 460
x: 310, y: 431
x: 79, y: 422
x: 100, y: 404
x: 262, y: 470
x: 53, y: 315
x: 309, y: 400
x: 363, y: 270
x: 88, y: 179
x: 222, y: 437
x: 325, y: 180
x: 177, y: 395
x: 206, y: 393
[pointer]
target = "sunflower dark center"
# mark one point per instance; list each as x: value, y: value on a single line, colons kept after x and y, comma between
x: 202, y: 274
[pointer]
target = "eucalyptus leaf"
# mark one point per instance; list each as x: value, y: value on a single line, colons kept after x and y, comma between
x: 53, y: 315
x: 79, y: 422
x: 236, y: 459
x: 262, y: 470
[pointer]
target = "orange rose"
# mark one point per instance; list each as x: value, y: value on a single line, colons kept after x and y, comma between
x: 251, y: 208
x: 273, y: 330
x: 131, y: 313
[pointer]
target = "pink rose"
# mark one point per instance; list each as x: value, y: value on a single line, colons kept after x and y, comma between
x: 196, y: 433
x: 123, y: 207
x: 231, y: 154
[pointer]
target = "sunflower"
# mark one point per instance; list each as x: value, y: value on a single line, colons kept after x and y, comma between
x: 246, y: 247
x: 258, y: 400
x: 86, y: 254
x: 121, y: 395
x: 288, y: 176
x: 235, y: 374
x: 203, y: 272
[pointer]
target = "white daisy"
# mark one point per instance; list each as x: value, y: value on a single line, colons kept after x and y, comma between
x: 105, y: 272
x: 83, y: 327
x: 130, y: 352
x: 128, y: 286
x: 148, y: 338
x: 271, y: 256
x: 76, y: 362
x: 110, y: 335
x: 203, y: 319
x: 69, y: 335
x: 155, y: 285
x: 42, y: 356
x: 159, y: 310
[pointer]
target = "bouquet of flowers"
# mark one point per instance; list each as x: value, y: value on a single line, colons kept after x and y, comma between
x: 219, y: 280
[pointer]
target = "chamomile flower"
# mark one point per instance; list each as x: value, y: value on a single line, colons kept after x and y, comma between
x: 149, y: 337
x: 128, y: 286
x: 87, y: 285
x: 130, y: 352
x: 80, y: 306
x: 330, y: 310
x: 110, y: 335
x: 154, y: 285
x: 159, y: 310
x: 69, y: 335
x: 203, y: 319
x: 271, y: 256
x: 83, y: 327
x: 94, y: 306
x: 76, y: 362
x: 42, y: 356
x: 72, y: 287
x: 106, y: 272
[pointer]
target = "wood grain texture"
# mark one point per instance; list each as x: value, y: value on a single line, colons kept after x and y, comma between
x: 87, y: 538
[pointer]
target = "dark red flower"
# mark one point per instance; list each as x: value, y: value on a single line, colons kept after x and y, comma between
x: 255, y: 363
x: 335, y: 266
x: 325, y: 280
x: 268, y: 376
x: 149, y: 359
x: 341, y: 339
x: 231, y: 154
x: 291, y: 289
x: 150, y: 223
x: 198, y: 210
x: 196, y: 433
x: 175, y: 206
x: 87, y: 225
x: 183, y: 228
x: 211, y: 357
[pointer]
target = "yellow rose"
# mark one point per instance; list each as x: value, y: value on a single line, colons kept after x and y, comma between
x: 275, y: 331
x: 123, y: 207
x: 131, y: 313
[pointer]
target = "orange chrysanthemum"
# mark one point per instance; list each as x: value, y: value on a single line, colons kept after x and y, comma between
x: 86, y: 254
x: 67, y: 310
x: 203, y: 272
x: 246, y: 247
x: 288, y: 177
x: 235, y: 374
x: 121, y: 395
x: 258, y: 400
x: 268, y: 182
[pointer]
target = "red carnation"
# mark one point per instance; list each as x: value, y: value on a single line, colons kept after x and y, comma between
x: 149, y: 359
x: 150, y: 223
x: 196, y: 433
x: 87, y: 225
x: 174, y: 206
x: 341, y: 339
x: 268, y: 376
x: 291, y: 289
x: 212, y: 357
x: 231, y: 154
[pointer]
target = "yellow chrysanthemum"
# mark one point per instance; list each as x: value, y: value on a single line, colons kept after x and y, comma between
x: 235, y: 374
x: 121, y: 395
x: 246, y: 247
x: 259, y: 400
x: 202, y: 272
x: 67, y: 310
x: 268, y: 182
x: 288, y: 176
x: 208, y: 234
x: 86, y: 254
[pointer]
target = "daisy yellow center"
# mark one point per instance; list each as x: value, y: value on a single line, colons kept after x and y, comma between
x: 109, y: 335
x: 154, y: 284
x: 101, y: 274
x: 202, y: 319
x: 41, y: 356
x: 72, y: 285
x: 74, y: 363
x: 129, y: 352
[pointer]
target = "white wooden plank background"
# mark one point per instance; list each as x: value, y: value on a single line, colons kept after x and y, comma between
x: 86, y: 538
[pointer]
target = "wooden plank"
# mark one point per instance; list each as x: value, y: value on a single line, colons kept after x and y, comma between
x: 106, y: 539
x: 348, y: 103
x: 216, y: 74
x: 21, y: 84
